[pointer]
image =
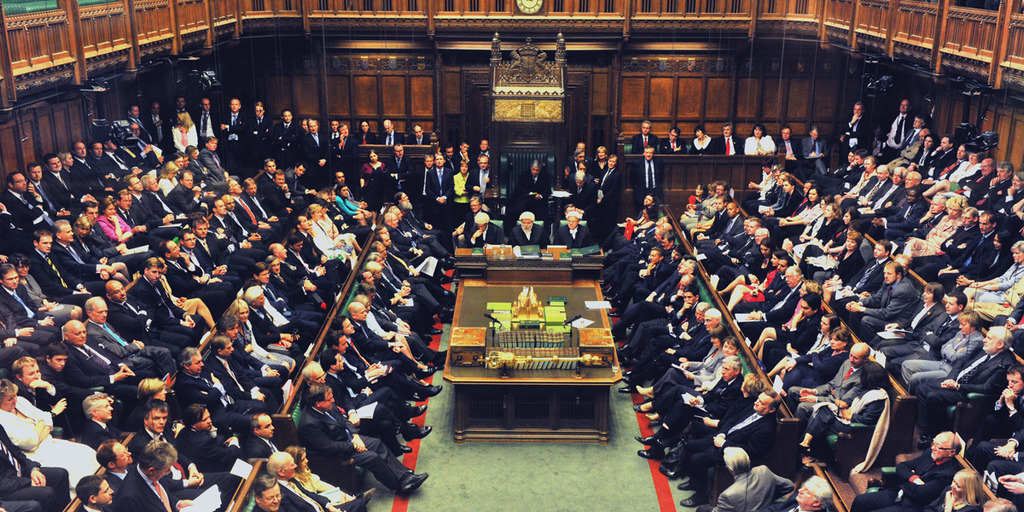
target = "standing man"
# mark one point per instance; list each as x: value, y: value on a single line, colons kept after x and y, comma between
x: 233, y: 132
x: 206, y: 127
x: 260, y: 128
x: 858, y: 132
x: 643, y: 140
x: 901, y: 128
x: 314, y: 150
x: 646, y: 179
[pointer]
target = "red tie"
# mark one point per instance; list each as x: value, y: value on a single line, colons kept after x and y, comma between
x: 848, y: 373
x: 728, y: 146
x: 247, y: 210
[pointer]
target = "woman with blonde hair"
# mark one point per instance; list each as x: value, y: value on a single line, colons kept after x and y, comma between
x: 168, y: 177
x: 965, y: 494
x: 931, y: 244
x: 311, y: 482
x: 185, y: 133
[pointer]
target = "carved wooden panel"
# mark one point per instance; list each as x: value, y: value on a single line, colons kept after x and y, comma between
x: 62, y: 128
x: 9, y: 147
x: 661, y: 97
x: 422, y: 103
x: 633, y: 95
x: 365, y: 90
x: 302, y: 100
x: 748, y: 97
x: 599, y: 94
x: 393, y: 95
x: 338, y: 97
x: 799, y: 99
x: 717, y: 104
x: 452, y: 92
x: 690, y: 96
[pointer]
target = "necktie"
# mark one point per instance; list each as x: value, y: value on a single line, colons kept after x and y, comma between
x: 247, y: 210
x: 231, y: 374
x: 316, y: 506
x: 728, y: 145
x: 28, y: 311
x: 390, y: 141
x: 75, y: 254
x: 97, y: 358
x: 42, y: 194
x: 867, y: 274
x: 848, y: 373
x: 204, y: 123
x: 650, y: 174
x: 256, y: 203
x: 10, y: 457
x: 114, y: 335
x: 816, y: 147
x: 645, y: 141
x: 440, y: 179
x: 55, y: 271
x: 899, y: 130
x: 967, y: 372
x: 789, y: 148
x: 316, y: 139
x: 163, y: 495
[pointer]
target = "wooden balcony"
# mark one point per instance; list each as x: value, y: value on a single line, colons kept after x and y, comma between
x: 44, y: 46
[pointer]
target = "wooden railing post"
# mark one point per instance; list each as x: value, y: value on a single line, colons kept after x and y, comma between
x: 432, y: 7
x: 627, y: 17
x: 176, y: 45
x: 995, y: 72
x: 940, y: 35
x: 755, y: 12
x: 7, y: 92
x: 894, y: 6
x: 74, y: 19
x: 851, y: 37
x: 822, y: 14
x: 134, y: 59
x: 211, y: 28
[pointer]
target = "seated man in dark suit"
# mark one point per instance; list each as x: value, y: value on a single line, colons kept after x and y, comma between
x: 88, y: 367
x: 644, y: 139
x: 921, y: 480
x: 260, y: 444
x: 194, y: 385
x: 144, y: 487
x: 485, y: 232
x: 324, y: 430
x: 24, y: 480
x: 209, y: 451
x: 573, y: 235
x: 814, y: 494
x: 53, y: 280
x: 750, y: 429
x: 527, y: 232
x: 95, y: 493
x: 104, y: 336
x: 984, y: 372
x: 166, y: 313
x: 99, y: 426
x: 281, y: 465
x: 115, y: 458
x: 841, y: 390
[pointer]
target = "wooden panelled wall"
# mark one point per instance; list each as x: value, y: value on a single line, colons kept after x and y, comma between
x: 33, y: 132
x: 799, y: 89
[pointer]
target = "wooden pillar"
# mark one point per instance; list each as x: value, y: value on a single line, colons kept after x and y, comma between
x: 133, y: 35
x: 894, y: 6
x: 70, y: 7
x: 176, y: 45
x: 7, y: 91
x: 211, y: 29
x: 851, y: 37
x: 995, y: 72
x: 940, y: 36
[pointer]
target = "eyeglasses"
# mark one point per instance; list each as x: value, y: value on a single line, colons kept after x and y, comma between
x: 935, y: 446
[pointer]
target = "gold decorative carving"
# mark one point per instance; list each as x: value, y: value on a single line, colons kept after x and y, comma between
x: 535, y: 110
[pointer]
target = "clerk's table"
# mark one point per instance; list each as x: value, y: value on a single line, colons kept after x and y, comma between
x: 526, y: 384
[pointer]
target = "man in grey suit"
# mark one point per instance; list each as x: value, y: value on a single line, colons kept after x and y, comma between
x: 752, y: 489
x: 815, y: 153
x: 814, y: 494
x: 841, y: 390
x: 895, y: 300
x: 103, y: 335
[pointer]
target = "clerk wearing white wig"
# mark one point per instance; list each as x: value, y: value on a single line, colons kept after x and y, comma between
x: 573, y: 235
x: 528, y: 232
x: 485, y: 233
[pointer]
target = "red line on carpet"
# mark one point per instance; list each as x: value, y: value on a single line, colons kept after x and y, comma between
x: 401, y: 503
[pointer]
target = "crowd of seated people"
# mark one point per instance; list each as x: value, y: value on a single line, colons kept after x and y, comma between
x: 904, y: 264
x: 168, y: 282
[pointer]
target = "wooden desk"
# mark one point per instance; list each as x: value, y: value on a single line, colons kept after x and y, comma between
x: 529, y: 405
x: 563, y: 269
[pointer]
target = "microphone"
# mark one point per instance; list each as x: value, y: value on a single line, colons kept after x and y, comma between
x: 571, y: 320
x: 491, y: 318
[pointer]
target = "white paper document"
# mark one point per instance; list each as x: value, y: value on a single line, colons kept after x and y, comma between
x: 241, y: 469
x: 366, y: 412
x: 561, y: 194
x: 208, y: 501
x: 581, y: 323
x: 428, y: 266
x: 597, y: 304
x: 777, y: 384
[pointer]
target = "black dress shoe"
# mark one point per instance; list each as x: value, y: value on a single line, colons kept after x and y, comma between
x: 433, y: 331
x: 411, y: 482
x: 614, y: 314
x: 422, y: 374
x: 417, y: 433
x: 404, y: 449
x: 636, y: 407
x: 440, y: 358
x: 649, y: 440
x: 670, y: 473
x: 418, y: 411
x: 652, y: 454
x: 685, y: 486
x: 445, y: 279
x: 430, y: 391
x: 696, y: 500
x: 626, y: 389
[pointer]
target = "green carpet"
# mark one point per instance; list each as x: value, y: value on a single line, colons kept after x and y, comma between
x: 537, y: 477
